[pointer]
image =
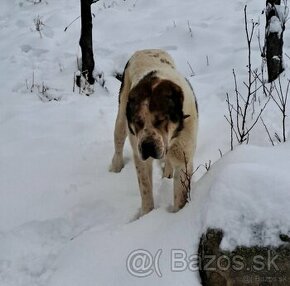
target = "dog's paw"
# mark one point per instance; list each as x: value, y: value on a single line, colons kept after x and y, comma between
x: 139, y: 214
x: 117, y: 164
x: 145, y: 209
x: 172, y: 209
x: 145, y: 212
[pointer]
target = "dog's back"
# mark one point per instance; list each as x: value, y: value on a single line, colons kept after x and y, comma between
x: 146, y: 61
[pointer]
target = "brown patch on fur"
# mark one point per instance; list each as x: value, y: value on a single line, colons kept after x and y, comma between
x: 141, y: 92
x: 152, y: 54
x: 164, y: 61
x: 165, y: 100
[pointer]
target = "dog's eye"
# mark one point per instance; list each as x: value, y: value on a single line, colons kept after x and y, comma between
x: 158, y: 122
x: 139, y: 123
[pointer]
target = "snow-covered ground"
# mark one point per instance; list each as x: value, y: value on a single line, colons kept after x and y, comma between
x: 64, y: 219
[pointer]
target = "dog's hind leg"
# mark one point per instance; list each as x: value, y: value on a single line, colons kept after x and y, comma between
x: 144, y: 174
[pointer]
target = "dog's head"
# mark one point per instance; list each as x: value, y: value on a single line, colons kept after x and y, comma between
x: 155, y: 116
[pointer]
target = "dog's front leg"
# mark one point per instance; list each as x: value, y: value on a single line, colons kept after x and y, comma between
x: 120, y: 135
x: 168, y: 170
x: 144, y: 174
x: 182, y: 183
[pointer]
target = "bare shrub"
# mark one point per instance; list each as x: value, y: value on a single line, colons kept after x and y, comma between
x: 42, y: 90
x: 242, y: 116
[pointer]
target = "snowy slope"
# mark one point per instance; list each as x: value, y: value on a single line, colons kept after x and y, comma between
x: 64, y: 219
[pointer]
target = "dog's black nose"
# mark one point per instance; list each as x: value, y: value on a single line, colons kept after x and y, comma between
x: 148, y: 149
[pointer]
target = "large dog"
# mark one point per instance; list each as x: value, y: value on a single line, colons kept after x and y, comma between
x: 158, y: 108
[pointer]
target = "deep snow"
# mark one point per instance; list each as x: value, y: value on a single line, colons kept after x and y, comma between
x: 64, y: 219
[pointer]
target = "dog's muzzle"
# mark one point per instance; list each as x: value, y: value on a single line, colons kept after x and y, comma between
x: 148, y: 149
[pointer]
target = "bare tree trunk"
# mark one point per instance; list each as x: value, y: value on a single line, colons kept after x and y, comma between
x: 86, y: 42
x: 273, y: 50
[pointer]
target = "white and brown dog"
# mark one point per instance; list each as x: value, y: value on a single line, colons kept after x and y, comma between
x: 157, y: 107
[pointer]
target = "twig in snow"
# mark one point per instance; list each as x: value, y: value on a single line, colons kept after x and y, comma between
x: 191, y: 69
x: 266, y: 128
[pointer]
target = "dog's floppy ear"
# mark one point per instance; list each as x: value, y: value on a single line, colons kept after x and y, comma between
x: 175, y: 101
x: 136, y: 96
x: 129, y: 114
